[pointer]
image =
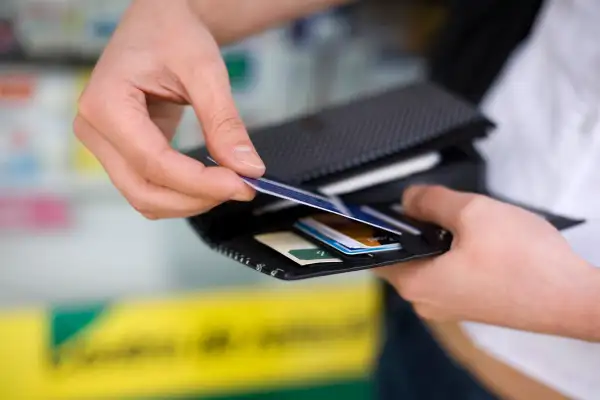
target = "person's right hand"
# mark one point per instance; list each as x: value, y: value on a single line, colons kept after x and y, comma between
x: 160, y: 58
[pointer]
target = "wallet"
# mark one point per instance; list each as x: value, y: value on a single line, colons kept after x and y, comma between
x: 337, y: 144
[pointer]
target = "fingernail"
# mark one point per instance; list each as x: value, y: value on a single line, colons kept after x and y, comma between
x: 247, y: 156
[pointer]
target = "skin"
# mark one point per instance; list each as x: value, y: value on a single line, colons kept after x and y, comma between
x: 160, y: 58
x: 507, y: 266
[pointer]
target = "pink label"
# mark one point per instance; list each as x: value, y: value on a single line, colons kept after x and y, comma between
x: 35, y: 212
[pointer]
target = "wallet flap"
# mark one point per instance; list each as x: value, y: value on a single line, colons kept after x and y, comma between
x: 338, y: 139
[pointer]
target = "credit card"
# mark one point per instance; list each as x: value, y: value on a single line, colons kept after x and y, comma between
x: 287, y: 192
x: 334, y: 243
x: 296, y: 248
x: 350, y: 233
x: 310, y: 199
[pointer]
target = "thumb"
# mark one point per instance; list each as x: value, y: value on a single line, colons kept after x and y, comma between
x: 226, y: 136
x: 436, y: 204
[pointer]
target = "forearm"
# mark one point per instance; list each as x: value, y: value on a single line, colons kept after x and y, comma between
x: 232, y: 20
x: 580, y: 301
x: 570, y: 308
x: 581, y: 317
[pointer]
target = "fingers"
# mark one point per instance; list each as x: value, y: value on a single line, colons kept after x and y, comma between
x: 152, y: 201
x: 127, y: 126
x: 227, y: 140
x: 404, y: 277
x: 408, y: 281
x: 438, y: 205
x: 421, y: 280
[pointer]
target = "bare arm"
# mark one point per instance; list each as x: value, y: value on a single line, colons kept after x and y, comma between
x: 231, y: 20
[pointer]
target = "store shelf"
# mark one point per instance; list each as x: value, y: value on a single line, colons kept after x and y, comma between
x: 72, y: 186
x: 52, y: 61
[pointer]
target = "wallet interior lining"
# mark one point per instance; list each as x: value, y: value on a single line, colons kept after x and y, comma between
x: 242, y: 240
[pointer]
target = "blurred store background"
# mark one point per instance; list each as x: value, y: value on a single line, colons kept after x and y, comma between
x: 97, y: 302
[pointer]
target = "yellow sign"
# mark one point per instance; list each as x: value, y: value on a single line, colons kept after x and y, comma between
x: 223, y: 342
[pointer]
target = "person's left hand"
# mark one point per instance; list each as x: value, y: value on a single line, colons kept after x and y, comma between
x: 507, y: 267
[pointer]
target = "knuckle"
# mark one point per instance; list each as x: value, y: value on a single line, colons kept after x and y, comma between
x: 142, y: 206
x: 79, y: 128
x: 473, y: 210
x: 422, y: 199
x: 151, y: 216
x: 153, y: 165
x: 86, y: 105
x: 208, y: 65
x: 225, y: 120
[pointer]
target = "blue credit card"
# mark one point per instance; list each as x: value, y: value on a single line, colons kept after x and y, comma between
x: 306, y: 198
x: 310, y: 199
x: 287, y: 192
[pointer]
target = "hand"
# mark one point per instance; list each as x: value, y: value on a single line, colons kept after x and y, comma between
x: 160, y: 58
x: 507, y: 267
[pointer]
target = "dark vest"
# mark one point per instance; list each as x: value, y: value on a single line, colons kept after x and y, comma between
x: 477, y: 40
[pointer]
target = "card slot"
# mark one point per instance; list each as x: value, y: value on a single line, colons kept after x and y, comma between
x: 376, y: 258
x: 245, y: 225
x: 231, y: 220
x: 400, y: 256
x: 338, y: 253
x: 249, y: 252
x: 267, y: 260
x: 253, y: 254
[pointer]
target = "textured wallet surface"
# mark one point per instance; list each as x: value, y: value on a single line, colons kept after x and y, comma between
x: 335, y: 144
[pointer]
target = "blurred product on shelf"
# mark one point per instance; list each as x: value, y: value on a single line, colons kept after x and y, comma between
x: 36, y: 109
x: 406, y: 26
x: 32, y: 153
x: 18, y: 163
x: 68, y: 28
x: 8, y: 39
x: 35, y: 212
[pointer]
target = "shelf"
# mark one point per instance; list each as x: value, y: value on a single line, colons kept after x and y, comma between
x: 73, y: 187
x: 69, y: 61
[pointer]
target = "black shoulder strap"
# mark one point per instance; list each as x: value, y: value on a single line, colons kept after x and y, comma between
x: 476, y: 42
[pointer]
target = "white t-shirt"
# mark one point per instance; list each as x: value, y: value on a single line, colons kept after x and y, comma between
x: 546, y: 153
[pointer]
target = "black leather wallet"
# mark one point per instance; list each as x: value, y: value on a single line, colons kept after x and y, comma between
x: 339, y: 143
